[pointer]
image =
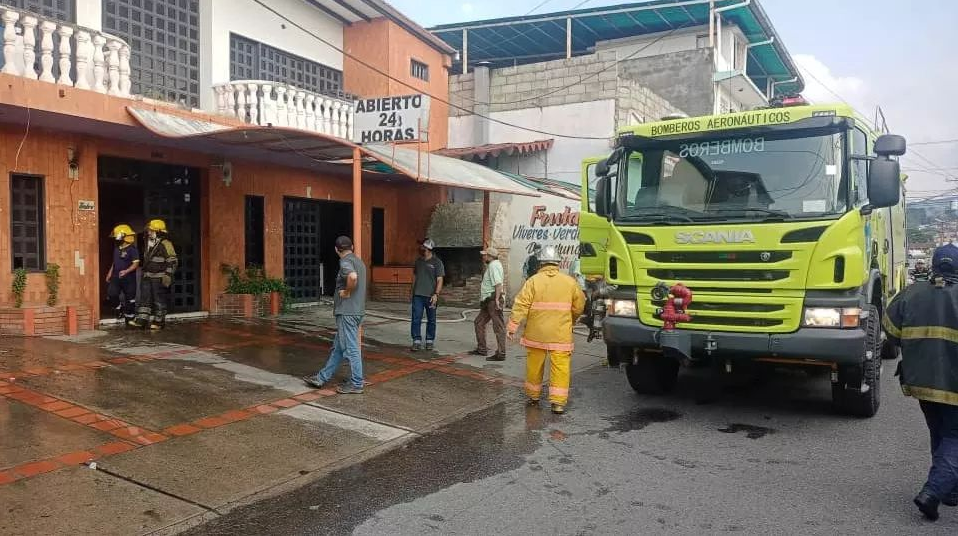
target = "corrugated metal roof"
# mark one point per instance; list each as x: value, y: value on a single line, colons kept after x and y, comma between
x: 495, y: 149
x: 535, y: 38
x: 316, y: 147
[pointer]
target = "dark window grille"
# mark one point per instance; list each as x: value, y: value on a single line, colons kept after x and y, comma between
x: 252, y: 60
x: 164, y: 43
x: 27, y: 222
x: 255, y: 225
x: 379, y: 237
x: 60, y: 10
x: 419, y: 70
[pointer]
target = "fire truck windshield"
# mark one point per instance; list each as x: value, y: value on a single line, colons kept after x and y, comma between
x: 771, y: 175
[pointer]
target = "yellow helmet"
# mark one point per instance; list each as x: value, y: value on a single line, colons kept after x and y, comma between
x: 157, y: 225
x: 124, y: 232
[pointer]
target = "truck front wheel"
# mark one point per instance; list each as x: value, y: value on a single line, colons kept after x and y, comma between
x: 849, y: 399
x: 653, y: 375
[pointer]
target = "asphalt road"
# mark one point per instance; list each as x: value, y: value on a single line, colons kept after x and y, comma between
x: 765, y: 456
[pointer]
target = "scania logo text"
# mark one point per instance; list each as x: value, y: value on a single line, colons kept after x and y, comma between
x: 734, y: 236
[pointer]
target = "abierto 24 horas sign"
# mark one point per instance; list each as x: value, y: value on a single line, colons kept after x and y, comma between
x: 391, y: 119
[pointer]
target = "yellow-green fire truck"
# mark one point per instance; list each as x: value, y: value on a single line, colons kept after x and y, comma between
x: 787, y: 224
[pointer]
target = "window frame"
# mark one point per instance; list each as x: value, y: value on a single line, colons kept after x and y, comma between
x: 422, y: 66
x: 41, y: 222
x: 329, y: 81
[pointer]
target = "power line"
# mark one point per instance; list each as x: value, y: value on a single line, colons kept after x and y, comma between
x: 410, y: 86
x: 544, y: 2
x: 869, y: 124
x: 934, y: 142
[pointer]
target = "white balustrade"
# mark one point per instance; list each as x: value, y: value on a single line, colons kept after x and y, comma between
x: 98, y: 61
x: 265, y: 103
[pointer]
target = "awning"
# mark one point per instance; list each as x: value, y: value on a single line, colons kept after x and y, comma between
x: 495, y: 149
x: 312, y: 150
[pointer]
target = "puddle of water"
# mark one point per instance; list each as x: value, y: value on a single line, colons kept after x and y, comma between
x: 640, y: 418
x: 751, y: 431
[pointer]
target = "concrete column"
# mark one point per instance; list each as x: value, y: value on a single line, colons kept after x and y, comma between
x: 568, y: 37
x: 357, y: 202
x: 481, y: 93
x: 90, y: 14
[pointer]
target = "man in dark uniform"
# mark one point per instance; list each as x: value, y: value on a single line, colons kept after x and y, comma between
x: 159, y: 265
x: 923, y: 320
x: 122, y: 274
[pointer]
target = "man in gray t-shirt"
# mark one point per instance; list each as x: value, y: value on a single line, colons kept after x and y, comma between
x: 428, y: 275
x: 349, y: 307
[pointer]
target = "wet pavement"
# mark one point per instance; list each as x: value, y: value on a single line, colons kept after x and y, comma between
x: 132, y: 432
x: 206, y: 428
x: 761, y: 457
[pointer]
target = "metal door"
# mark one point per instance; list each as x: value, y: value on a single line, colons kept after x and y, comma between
x: 302, y: 262
x: 170, y: 193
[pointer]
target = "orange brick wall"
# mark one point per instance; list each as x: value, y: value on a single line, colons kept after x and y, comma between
x: 389, y: 48
x: 70, y: 232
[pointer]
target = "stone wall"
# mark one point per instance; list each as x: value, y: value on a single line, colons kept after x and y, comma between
x: 590, y: 78
x: 684, y: 78
x: 647, y: 105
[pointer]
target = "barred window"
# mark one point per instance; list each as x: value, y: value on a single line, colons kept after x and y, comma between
x: 419, y: 70
x: 61, y: 10
x: 27, y: 222
x: 252, y: 60
x: 164, y: 39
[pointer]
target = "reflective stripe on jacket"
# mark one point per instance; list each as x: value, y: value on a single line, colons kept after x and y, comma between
x: 550, y: 302
x: 923, y: 320
x: 160, y: 260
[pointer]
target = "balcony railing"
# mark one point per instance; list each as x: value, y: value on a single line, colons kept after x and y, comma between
x: 265, y: 103
x: 36, y: 47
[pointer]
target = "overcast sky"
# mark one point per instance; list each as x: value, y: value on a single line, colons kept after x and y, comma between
x: 899, y: 55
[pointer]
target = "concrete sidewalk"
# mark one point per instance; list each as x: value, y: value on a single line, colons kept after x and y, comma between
x: 185, y: 424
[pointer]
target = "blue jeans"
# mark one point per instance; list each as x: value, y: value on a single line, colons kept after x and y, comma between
x: 420, y: 304
x: 942, y: 422
x: 345, y: 345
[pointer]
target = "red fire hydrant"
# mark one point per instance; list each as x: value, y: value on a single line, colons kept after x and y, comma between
x: 677, y: 300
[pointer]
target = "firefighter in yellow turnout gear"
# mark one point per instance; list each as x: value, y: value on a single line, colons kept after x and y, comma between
x: 159, y: 265
x: 550, y: 302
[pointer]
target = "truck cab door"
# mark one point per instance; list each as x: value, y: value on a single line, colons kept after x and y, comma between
x: 593, y: 229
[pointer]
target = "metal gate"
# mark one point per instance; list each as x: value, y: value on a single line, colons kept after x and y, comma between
x: 302, y: 261
x: 170, y: 193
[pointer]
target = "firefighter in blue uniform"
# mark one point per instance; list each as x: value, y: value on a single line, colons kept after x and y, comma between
x: 121, y: 276
x: 159, y: 265
x: 923, y: 320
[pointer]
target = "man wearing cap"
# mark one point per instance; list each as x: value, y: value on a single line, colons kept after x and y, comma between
x: 349, y: 307
x: 491, y: 304
x: 923, y: 321
x: 427, y: 285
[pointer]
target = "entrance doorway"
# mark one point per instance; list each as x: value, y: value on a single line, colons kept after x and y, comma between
x: 136, y: 191
x: 310, y: 228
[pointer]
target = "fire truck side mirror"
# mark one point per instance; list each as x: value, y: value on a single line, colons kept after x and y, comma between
x: 884, y: 182
x: 603, y: 197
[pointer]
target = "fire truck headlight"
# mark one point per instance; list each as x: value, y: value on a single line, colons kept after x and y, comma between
x: 828, y: 317
x: 622, y: 308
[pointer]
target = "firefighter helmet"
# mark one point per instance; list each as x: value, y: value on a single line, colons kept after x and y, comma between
x: 549, y: 255
x: 123, y: 232
x: 156, y: 225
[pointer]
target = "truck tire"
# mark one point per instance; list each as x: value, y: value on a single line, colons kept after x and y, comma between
x: 853, y: 402
x: 653, y: 375
x: 617, y: 355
